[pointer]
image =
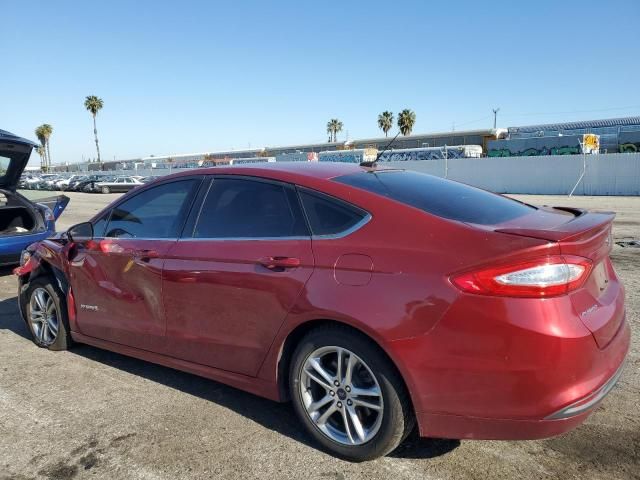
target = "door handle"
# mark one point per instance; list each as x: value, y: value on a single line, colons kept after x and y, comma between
x: 279, y: 263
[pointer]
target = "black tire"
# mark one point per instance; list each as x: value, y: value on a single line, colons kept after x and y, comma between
x: 397, y: 420
x: 62, y: 340
x: 106, y: 190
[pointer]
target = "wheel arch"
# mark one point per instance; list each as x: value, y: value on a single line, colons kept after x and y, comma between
x: 295, y: 335
x: 44, y: 269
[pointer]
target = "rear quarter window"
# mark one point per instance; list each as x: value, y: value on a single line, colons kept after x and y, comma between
x: 328, y: 215
x: 437, y: 196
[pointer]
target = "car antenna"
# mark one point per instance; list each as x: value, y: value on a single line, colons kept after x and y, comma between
x: 373, y: 164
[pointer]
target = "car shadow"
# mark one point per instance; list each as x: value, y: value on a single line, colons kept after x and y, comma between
x: 272, y: 415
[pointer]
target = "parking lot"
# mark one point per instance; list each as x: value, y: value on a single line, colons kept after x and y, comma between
x: 88, y: 413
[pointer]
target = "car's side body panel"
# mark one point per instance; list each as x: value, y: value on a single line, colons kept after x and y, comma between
x: 224, y: 307
x: 118, y: 291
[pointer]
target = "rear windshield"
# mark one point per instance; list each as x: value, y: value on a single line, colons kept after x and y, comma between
x: 438, y: 196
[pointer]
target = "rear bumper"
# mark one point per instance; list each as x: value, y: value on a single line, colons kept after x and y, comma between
x: 566, y: 419
x: 588, y: 402
x: 475, y: 428
x: 508, y: 370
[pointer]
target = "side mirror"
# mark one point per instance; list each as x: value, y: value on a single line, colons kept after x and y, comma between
x: 81, y: 232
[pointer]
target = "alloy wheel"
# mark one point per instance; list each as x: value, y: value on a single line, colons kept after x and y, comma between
x: 341, y: 395
x: 43, y: 316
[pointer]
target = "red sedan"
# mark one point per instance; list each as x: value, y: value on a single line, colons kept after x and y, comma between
x: 372, y: 299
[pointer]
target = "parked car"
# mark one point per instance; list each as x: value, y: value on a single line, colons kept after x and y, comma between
x: 22, y: 221
x: 90, y: 187
x: 47, y: 181
x: 63, y: 184
x: 117, y: 185
x: 373, y: 299
x: 27, y: 181
x: 82, y: 182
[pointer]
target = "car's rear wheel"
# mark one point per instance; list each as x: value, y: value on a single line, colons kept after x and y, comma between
x: 46, y: 314
x: 105, y: 190
x: 348, y: 395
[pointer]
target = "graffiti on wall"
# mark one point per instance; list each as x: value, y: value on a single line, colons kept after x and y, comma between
x: 629, y: 142
x: 535, y: 146
x: 532, y: 152
x: 423, y: 154
x: 629, y: 147
x: 349, y: 156
x: 297, y: 157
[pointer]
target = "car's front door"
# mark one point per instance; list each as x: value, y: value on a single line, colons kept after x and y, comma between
x: 228, y: 288
x: 117, y: 277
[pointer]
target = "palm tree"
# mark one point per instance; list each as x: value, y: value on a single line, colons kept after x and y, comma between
x: 385, y: 122
x: 94, y: 104
x: 43, y: 132
x: 334, y: 126
x: 40, y: 150
x: 47, y: 130
x: 406, y: 121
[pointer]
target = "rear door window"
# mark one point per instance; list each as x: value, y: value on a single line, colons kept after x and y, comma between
x: 238, y: 208
x: 438, y: 196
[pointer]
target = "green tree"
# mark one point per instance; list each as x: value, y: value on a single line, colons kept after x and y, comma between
x: 334, y: 126
x: 385, y: 122
x: 406, y: 121
x: 94, y: 104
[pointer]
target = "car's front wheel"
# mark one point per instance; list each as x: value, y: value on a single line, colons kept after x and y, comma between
x: 105, y: 190
x: 45, y: 311
x: 348, y: 395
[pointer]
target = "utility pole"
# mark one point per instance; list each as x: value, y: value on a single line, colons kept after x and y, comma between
x: 495, y: 117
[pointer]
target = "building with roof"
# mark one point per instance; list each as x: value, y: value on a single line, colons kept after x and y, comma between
x: 616, y: 135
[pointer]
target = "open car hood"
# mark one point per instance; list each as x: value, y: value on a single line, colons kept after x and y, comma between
x: 14, y: 156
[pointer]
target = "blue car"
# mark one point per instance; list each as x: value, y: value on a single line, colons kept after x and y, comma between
x: 22, y: 221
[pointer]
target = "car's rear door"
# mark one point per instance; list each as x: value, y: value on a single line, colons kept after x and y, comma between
x: 119, y: 185
x: 229, y: 283
x: 117, y: 278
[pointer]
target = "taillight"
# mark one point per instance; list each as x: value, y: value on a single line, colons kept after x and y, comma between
x: 544, y: 277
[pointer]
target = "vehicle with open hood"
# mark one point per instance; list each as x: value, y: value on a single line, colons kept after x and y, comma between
x: 22, y: 221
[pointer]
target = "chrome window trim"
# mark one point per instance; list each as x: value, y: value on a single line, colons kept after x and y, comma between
x: 333, y: 236
x: 366, y: 219
x: 138, y: 238
x: 242, y: 239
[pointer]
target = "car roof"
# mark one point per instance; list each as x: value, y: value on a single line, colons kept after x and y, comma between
x: 285, y: 171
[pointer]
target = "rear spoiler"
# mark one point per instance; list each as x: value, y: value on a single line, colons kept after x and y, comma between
x: 584, y: 224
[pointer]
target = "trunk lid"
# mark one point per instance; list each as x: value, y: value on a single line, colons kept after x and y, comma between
x: 599, y: 303
x: 14, y: 156
x: 56, y: 204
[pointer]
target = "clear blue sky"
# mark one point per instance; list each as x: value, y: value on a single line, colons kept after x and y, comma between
x: 194, y: 76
